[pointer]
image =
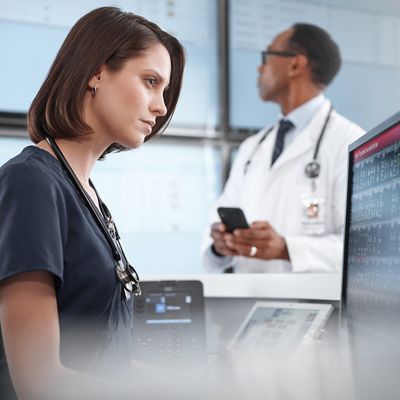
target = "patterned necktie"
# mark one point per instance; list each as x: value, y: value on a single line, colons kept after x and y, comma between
x: 284, y: 126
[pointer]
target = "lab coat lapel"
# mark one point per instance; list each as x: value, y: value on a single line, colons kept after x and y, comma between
x: 305, y: 140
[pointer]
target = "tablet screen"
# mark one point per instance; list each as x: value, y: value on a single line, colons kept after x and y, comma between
x: 278, y: 328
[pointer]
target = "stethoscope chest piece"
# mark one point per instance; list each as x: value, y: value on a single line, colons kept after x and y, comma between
x: 312, y: 169
x: 128, y: 278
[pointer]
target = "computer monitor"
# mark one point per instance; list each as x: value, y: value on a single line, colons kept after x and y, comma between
x: 371, y: 279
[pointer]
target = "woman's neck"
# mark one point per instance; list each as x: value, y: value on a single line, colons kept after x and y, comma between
x: 81, y: 156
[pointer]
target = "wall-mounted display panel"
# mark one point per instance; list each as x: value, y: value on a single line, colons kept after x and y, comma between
x: 10, y: 147
x: 160, y: 196
x: 367, y: 32
x: 32, y: 32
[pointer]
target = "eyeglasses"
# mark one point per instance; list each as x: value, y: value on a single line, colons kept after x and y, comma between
x: 266, y: 53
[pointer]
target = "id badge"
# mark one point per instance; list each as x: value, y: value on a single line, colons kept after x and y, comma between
x: 313, y: 214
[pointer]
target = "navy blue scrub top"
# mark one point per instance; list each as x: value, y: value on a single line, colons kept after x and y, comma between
x: 45, y: 226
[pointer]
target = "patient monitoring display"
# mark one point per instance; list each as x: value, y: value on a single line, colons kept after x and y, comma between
x: 368, y: 35
x: 32, y: 32
x: 373, y: 262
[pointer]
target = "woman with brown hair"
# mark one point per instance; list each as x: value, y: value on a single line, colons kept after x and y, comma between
x: 65, y: 284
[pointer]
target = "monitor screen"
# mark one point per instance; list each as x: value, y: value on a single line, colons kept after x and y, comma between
x: 273, y: 328
x: 372, y: 240
x: 253, y: 25
x: 32, y: 32
x: 168, y: 308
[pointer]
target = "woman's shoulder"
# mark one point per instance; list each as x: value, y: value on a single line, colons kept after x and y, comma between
x: 32, y: 170
x: 31, y: 163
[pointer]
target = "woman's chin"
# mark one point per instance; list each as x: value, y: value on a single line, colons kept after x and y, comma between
x: 134, y: 142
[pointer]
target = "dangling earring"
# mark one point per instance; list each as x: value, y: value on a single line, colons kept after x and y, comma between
x: 94, y: 90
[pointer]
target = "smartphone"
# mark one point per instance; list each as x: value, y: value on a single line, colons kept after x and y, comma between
x: 233, y: 218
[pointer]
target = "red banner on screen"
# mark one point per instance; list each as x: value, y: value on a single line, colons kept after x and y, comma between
x: 377, y: 144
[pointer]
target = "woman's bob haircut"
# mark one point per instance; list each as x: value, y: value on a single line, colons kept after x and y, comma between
x: 107, y: 36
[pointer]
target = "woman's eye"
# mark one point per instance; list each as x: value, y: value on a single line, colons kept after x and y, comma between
x: 151, y: 81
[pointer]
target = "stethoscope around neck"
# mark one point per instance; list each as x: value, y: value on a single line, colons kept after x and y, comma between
x: 313, y: 168
x: 125, y: 272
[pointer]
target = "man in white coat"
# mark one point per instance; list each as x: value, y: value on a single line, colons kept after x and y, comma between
x: 296, y: 216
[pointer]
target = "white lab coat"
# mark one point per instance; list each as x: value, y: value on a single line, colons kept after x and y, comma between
x: 274, y: 194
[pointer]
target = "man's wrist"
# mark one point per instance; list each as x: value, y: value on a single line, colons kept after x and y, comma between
x: 215, y: 252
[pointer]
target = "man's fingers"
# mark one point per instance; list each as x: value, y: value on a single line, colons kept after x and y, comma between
x: 218, y: 227
x: 223, y: 249
x: 247, y: 250
x: 260, y: 225
x: 248, y: 235
x: 220, y: 240
x: 220, y: 236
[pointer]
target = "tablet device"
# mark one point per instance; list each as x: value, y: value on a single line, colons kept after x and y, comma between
x: 274, y: 328
x: 169, y: 323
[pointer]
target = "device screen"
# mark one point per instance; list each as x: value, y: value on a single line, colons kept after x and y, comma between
x: 276, y: 330
x: 168, y: 308
x: 169, y: 325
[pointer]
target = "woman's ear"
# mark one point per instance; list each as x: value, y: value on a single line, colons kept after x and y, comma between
x: 95, y: 81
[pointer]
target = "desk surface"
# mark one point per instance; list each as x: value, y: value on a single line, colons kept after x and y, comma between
x: 323, y: 286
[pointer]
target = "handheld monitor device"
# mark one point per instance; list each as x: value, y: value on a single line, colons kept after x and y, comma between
x: 233, y: 218
x: 276, y: 328
x: 169, y: 323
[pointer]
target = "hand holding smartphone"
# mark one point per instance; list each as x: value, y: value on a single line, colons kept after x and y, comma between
x: 233, y: 218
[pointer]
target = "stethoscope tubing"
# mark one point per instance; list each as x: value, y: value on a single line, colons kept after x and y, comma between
x: 87, y: 200
x: 316, y: 151
x: 126, y: 274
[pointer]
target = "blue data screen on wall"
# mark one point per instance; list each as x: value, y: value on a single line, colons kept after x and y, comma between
x: 367, y: 32
x: 31, y: 33
x: 160, y: 196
